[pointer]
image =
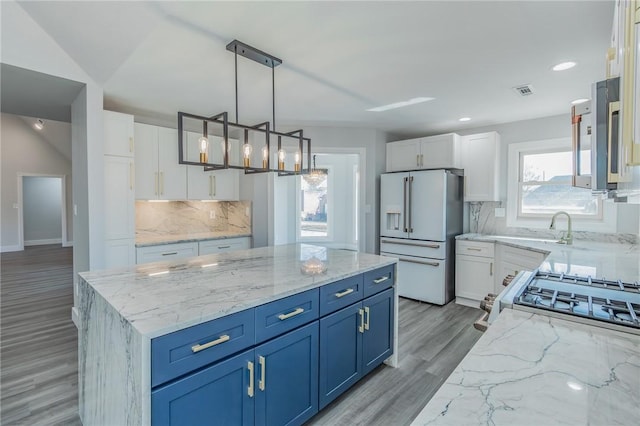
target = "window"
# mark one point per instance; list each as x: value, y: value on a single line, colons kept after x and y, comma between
x: 314, y: 211
x: 539, y: 185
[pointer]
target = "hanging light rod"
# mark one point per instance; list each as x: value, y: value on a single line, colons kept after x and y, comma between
x: 207, y: 149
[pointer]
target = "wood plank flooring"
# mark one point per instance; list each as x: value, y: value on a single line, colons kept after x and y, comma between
x: 38, y: 354
x: 38, y: 344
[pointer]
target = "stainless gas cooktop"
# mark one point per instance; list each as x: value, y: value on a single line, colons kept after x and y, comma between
x: 611, y: 304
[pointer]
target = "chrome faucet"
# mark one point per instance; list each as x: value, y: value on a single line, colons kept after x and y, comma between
x: 565, y: 239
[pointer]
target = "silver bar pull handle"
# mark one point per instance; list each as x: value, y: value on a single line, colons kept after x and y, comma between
x: 361, y: 326
x: 410, y: 205
x: 344, y: 293
x: 420, y: 262
x: 402, y: 243
x: 380, y: 280
x: 262, y: 383
x: 221, y: 339
x: 172, y: 253
x: 473, y: 249
x: 404, y: 205
x: 251, y: 378
x: 367, y: 315
x: 224, y: 247
x: 298, y: 311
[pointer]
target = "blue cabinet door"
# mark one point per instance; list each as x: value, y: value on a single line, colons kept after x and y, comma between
x: 377, y: 341
x: 216, y: 395
x: 287, y: 378
x: 340, y: 352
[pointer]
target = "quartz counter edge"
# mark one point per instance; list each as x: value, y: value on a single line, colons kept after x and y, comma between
x: 189, y: 294
x: 150, y: 241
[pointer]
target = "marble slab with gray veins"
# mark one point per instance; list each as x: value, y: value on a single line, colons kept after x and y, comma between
x: 530, y: 369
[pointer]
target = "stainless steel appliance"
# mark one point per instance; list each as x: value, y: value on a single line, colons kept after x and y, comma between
x: 610, y: 304
x: 420, y: 215
x: 597, y: 161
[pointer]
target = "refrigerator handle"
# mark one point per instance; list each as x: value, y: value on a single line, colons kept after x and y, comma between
x: 404, y: 205
x: 410, y: 204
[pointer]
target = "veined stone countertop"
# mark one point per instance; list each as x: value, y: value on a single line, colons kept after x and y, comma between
x: 611, y: 261
x: 161, y: 297
x: 144, y: 240
x: 533, y: 369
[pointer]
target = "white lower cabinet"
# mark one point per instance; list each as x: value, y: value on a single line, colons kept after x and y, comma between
x: 474, y: 271
x: 223, y: 245
x: 511, y: 260
x: 166, y: 252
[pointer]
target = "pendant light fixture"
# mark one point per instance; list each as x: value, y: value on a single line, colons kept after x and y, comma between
x: 316, y: 176
x: 292, y: 147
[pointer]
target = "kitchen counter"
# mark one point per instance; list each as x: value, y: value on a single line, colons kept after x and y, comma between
x: 534, y: 369
x: 144, y: 240
x: 584, y: 258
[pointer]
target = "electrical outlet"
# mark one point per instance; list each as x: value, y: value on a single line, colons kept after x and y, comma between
x: 75, y: 210
x: 212, y: 214
x: 15, y: 205
x: 247, y: 211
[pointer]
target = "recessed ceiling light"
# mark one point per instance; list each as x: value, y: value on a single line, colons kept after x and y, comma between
x: 400, y: 104
x: 579, y: 101
x: 564, y: 66
x: 464, y: 119
x: 39, y: 124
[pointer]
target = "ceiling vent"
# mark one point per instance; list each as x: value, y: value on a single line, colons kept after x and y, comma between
x: 524, y: 90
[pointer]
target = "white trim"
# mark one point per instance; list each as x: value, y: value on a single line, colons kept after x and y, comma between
x: 607, y: 224
x: 6, y: 249
x: 67, y: 244
x: 63, y: 207
x: 42, y: 242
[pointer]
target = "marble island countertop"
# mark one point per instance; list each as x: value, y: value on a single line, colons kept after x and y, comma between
x: 534, y: 369
x: 162, y: 297
x: 152, y: 239
x: 584, y: 258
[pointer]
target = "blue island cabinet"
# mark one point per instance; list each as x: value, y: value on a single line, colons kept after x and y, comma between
x: 354, y: 341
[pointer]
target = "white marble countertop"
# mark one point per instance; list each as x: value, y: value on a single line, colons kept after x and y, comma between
x: 144, y: 240
x: 162, y: 297
x: 530, y: 369
x: 583, y: 258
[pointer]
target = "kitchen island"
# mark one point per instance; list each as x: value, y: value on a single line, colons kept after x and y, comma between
x: 128, y: 317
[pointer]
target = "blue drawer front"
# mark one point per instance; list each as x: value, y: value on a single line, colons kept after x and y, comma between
x: 173, y: 354
x: 280, y: 316
x: 342, y: 293
x: 379, y: 279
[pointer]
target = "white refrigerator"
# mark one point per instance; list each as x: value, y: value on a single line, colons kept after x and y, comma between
x: 420, y: 215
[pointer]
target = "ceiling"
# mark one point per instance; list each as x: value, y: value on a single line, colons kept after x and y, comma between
x: 339, y: 58
x: 55, y: 133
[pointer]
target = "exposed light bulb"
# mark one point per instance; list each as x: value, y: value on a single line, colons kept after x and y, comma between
x: 247, y: 149
x: 265, y: 156
x: 203, y: 144
x: 296, y: 161
x: 39, y: 124
x: 282, y: 155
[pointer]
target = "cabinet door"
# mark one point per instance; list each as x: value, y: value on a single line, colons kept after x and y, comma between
x: 441, y: 151
x: 147, y: 179
x: 219, y: 394
x: 377, y: 341
x: 120, y: 253
x: 340, y: 351
x: 166, y: 252
x: 480, y: 160
x: 287, y: 378
x: 223, y: 245
x: 118, y: 134
x: 119, y: 197
x: 403, y: 155
x: 217, y: 185
x: 474, y: 277
x: 172, y: 176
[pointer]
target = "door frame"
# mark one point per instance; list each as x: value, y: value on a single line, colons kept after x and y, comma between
x: 63, y: 205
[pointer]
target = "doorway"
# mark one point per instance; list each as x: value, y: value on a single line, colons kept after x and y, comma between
x: 42, y: 204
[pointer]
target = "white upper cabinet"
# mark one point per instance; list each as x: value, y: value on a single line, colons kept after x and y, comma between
x: 480, y: 155
x: 212, y: 185
x: 118, y: 134
x: 158, y: 174
x: 432, y: 152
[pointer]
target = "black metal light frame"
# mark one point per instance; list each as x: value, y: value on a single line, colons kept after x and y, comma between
x: 249, y: 52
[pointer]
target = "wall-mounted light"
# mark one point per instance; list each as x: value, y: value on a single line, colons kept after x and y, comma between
x: 39, y: 124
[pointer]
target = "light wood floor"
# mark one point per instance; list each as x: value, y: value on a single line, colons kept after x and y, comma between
x: 38, y: 351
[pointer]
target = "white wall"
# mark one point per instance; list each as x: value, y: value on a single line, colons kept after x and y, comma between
x: 24, y: 151
x: 558, y: 126
x: 25, y: 44
x: 42, y: 209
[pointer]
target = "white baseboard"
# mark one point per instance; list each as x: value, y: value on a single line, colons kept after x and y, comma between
x: 467, y: 302
x: 6, y: 249
x: 42, y: 242
x: 67, y: 244
x: 75, y: 317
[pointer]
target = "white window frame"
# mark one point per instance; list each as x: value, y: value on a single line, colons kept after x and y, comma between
x: 605, y: 221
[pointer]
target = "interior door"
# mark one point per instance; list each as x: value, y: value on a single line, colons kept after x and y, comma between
x: 393, y: 205
x: 427, y: 205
